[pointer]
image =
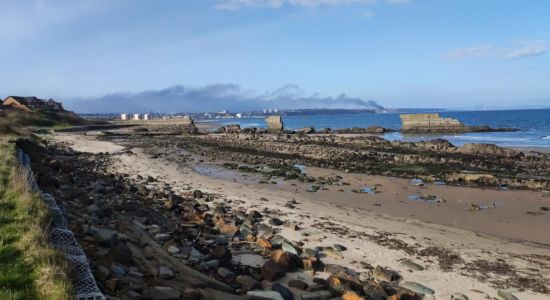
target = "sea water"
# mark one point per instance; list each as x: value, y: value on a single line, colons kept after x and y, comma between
x: 533, y: 125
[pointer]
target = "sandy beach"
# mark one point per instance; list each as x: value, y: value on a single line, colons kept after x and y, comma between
x: 509, y: 234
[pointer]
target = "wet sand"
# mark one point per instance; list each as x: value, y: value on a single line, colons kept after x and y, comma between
x: 499, y: 233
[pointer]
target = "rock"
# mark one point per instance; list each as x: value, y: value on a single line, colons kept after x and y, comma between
x: 317, y: 295
x: 221, y: 241
x: 173, y: 249
x: 411, y: 265
x: 275, y: 222
x: 382, y: 274
x: 249, y: 260
x: 298, y: 284
x: 288, y: 248
x: 286, y: 260
x: 336, y: 286
x: 131, y: 295
x: 306, y: 130
x: 162, y: 293
x: 105, y: 237
x: 506, y: 295
x: 118, y: 270
x: 197, y: 194
x: 350, y: 295
x: 340, y: 247
x: 165, y: 272
x: 417, y: 287
x: 102, y: 273
x: 212, y: 264
x: 487, y: 149
x: 190, y: 294
x: 271, y: 271
x: 247, y: 283
x: 264, y: 295
x: 374, y: 291
x: 226, y: 274
x: 285, y: 292
x: 459, y: 296
x: 163, y: 236
x: 121, y: 253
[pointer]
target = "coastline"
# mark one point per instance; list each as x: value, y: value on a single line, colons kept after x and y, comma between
x: 327, y: 217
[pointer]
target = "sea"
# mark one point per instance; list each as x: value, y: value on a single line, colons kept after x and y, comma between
x: 533, y: 125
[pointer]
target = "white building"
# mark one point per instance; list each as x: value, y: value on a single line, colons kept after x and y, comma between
x: 145, y: 116
x: 124, y: 117
x: 135, y: 117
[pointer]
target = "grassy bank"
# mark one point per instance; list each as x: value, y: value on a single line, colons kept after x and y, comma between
x: 29, y: 267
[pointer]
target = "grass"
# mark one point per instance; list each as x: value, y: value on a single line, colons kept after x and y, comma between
x: 29, y: 267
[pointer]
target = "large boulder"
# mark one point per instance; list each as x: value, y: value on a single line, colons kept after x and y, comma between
x: 487, y: 149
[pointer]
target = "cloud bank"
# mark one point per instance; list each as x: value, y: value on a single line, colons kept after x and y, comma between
x: 212, y: 98
x: 520, y: 50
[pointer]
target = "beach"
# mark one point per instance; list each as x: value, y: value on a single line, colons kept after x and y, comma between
x: 472, y: 240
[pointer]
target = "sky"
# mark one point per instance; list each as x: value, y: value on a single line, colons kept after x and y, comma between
x: 106, y: 55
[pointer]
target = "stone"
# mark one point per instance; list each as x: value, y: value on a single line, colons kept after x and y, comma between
x: 298, y: 284
x: 102, y: 273
x: 247, y: 283
x: 271, y: 271
x: 165, y: 272
x: 275, y: 222
x: 118, y: 270
x: 317, y: 295
x: 226, y: 274
x: 264, y: 295
x: 336, y: 286
x: 121, y: 253
x: 506, y: 295
x: 350, y: 295
x: 411, y: 265
x: 288, y: 248
x: 459, y: 296
x: 190, y: 294
x: 340, y: 247
x: 286, y: 260
x: 417, y: 287
x: 382, y: 274
x: 285, y: 292
x: 173, y: 249
x: 131, y: 295
x: 162, y: 293
x: 105, y: 237
x: 374, y: 291
x: 163, y: 236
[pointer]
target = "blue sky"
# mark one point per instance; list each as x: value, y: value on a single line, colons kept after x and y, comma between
x: 415, y: 53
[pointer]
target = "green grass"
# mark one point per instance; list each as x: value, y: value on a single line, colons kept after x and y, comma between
x: 29, y: 267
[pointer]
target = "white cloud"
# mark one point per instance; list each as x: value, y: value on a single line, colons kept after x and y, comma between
x: 369, y: 14
x: 520, y: 50
x: 235, y: 5
x: 535, y: 48
x: 398, y: 1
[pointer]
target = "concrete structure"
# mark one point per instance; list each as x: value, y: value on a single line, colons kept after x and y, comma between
x: 274, y: 124
x: 124, y: 117
x: 420, y: 123
x: 135, y: 117
x: 188, y: 125
x: 29, y: 104
x: 145, y: 116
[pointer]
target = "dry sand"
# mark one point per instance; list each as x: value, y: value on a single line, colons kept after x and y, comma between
x: 505, y: 232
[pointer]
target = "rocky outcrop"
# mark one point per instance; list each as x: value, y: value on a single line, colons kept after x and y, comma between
x: 274, y: 124
x: 431, y: 160
x: 433, y: 123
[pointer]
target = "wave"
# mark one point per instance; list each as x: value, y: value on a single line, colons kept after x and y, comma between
x: 546, y: 137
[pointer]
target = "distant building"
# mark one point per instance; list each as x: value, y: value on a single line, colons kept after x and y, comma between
x: 239, y: 115
x: 29, y: 104
x: 124, y: 117
x: 135, y: 117
x: 145, y: 116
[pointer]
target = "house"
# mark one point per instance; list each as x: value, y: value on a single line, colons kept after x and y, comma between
x: 124, y: 117
x: 29, y: 104
x: 135, y: 117
x: 145, y: 116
